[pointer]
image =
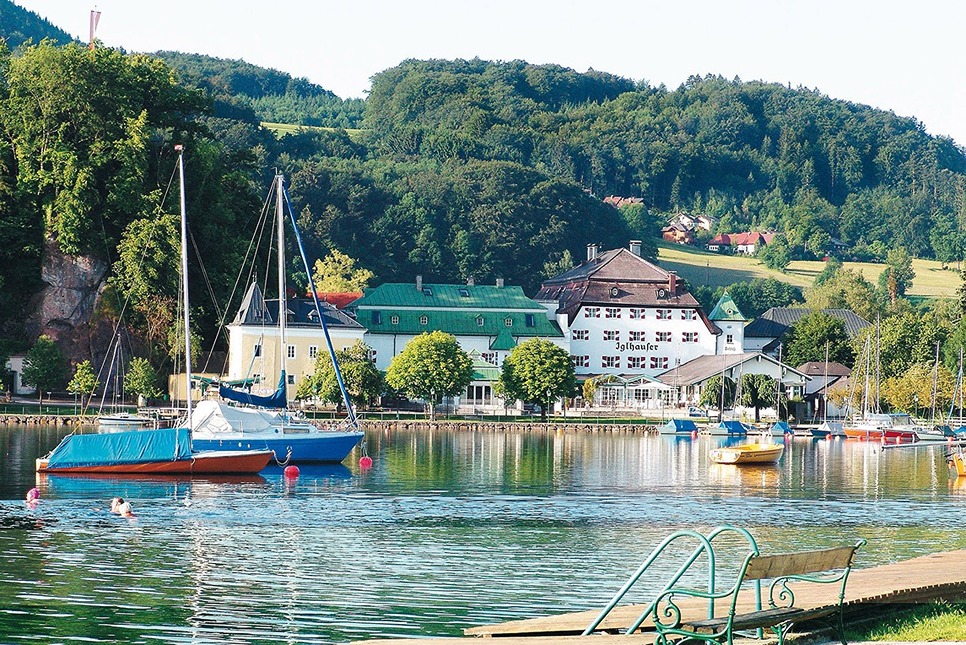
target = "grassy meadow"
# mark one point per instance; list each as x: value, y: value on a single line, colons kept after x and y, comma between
x: 698, y: 266
x: 281, y: 129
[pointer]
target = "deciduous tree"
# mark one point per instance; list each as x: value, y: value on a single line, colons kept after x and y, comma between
x: 84, y: 382
x: 141, y: 379
x: 537, y: 371
x: 807, y: 340
x: 362, y: 380
x: 45, y: 366
x: 431, y: 366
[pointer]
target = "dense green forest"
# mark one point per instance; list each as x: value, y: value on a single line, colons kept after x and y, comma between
x: 459, y: 169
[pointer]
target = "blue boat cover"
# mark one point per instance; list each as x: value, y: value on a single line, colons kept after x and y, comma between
x: 276, y: 400
x: 681, y: 425
x: 134, y: 447
x: 734, y: 427
x: 782, y: 427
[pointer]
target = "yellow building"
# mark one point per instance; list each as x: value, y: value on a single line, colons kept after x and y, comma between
x: 255, y: 350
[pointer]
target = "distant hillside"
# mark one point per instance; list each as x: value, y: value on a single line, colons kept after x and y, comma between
x: 272, y: 95
x: 18, y: 25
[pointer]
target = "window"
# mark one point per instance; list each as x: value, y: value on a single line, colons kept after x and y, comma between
x: 291, y: 351
x: 658, y: 362
x: 635, y: 336
x: 729, y: 338
x: 489, y: 357
x: 664, y: 314
x: 479, y: 321
x: 427, y: 291
x: 636, y: 314
x: 689, y: 337
x: 376, y: 317
x: 611, y: 334
x: 592, y: 312
x: 508, y: 322
x: 531, y: 321
x: 581, y: 361
x: 612, y: 312
x: 464, y: 292
x: 580, y: 334
x: 641, y: 395
x: 688, y: 314
x: 424, y: 320
x: 372, y: 355
x: 394, y: 320
x: 635, y: 362
x: 313, y: 351
x: 258, y: 350
x: 610, y: 361
x: 663, y: 337
x: 290, y: 379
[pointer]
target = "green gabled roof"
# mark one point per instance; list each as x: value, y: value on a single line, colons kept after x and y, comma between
x: 445, y: 296
x: 726, y: 310
x: 459, y: 323
x: 503, y: 341
x: 483, y: 370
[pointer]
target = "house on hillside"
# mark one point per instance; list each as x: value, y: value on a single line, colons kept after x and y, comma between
x: 617, y: 202
x: 747, y: 243
x: 765, y: 333
x: 678, y: 234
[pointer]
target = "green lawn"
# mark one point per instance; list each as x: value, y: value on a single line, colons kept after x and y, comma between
x: 281, y: 129
x: 704, y: 267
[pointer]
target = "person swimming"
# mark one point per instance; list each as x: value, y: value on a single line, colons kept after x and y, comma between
x: 122, y: 508
x: 33, y: 497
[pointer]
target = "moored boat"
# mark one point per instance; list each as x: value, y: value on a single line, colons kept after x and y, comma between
x: 732, y: 428
x: 167, y: 451
x: 749, y: 453
x: 679, y: 427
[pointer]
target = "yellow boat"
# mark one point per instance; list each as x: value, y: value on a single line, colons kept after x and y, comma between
x: 957, y: 463
x: 749, y: 453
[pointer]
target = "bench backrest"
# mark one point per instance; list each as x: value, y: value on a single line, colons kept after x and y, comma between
x: 761, y: 567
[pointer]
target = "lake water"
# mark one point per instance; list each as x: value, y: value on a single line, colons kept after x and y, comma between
x: 446, y: 531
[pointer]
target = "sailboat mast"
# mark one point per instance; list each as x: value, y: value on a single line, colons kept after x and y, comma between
x: 184, y: 284
x: 282, y: 305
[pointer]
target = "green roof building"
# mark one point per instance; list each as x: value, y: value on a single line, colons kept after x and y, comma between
x: 490, y: 319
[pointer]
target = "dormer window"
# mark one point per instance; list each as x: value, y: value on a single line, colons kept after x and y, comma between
x: 427, y: 291
x: 424, y: 320
x: 394, y: 320
x: 531, y: 320
x: 508, y: 322
x: 479, y: 321
x: 464, y: 292
x: 376, y: 317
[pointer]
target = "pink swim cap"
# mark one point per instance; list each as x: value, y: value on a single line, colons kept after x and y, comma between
x: 32, y: 494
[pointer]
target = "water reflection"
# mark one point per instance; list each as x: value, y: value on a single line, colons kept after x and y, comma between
x: 447, y: 530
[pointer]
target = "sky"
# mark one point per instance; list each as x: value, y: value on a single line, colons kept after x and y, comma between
x: 905, y: 57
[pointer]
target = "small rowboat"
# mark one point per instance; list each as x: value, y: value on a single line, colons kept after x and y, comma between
x: 749, y: 453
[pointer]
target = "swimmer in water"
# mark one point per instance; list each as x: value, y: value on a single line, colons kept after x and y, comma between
x: 33, y: 497
x: 122, y: 508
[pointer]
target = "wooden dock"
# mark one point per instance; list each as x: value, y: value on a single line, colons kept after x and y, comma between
x: 937, y: 576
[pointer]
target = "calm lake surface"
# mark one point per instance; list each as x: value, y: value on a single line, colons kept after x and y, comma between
x: 446, y: 531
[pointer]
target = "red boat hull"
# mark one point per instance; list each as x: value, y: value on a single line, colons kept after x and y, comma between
x: 247, y: 462
x: 904, y: 436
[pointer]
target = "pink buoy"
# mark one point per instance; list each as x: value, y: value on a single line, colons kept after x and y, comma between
x: 365, y: 461
x: 292, y: 471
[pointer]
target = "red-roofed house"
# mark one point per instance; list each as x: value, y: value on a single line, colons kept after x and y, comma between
x: 747, y: 243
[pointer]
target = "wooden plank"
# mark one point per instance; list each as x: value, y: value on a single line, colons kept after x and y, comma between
x: 789, y: 564
x: 596, y: 639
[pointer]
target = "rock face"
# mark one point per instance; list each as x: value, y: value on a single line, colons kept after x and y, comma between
x: 63, y: 309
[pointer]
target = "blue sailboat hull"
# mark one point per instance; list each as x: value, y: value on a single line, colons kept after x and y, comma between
x: 327, y: 447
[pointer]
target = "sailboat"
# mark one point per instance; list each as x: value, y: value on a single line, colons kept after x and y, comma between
x: 873, y: 424
x: 242, y: 419
x: 165, y: 451
x: 116, y: 419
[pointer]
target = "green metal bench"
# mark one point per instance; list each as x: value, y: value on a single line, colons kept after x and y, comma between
x: 781, y: 575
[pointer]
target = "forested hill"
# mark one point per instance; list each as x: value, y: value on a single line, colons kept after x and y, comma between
x: 18, y: 25
x: 756, y: 155
x: 271, y: 95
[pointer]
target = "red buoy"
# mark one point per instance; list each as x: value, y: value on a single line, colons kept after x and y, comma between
x: 365, y: 461
x: 291, y: 472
